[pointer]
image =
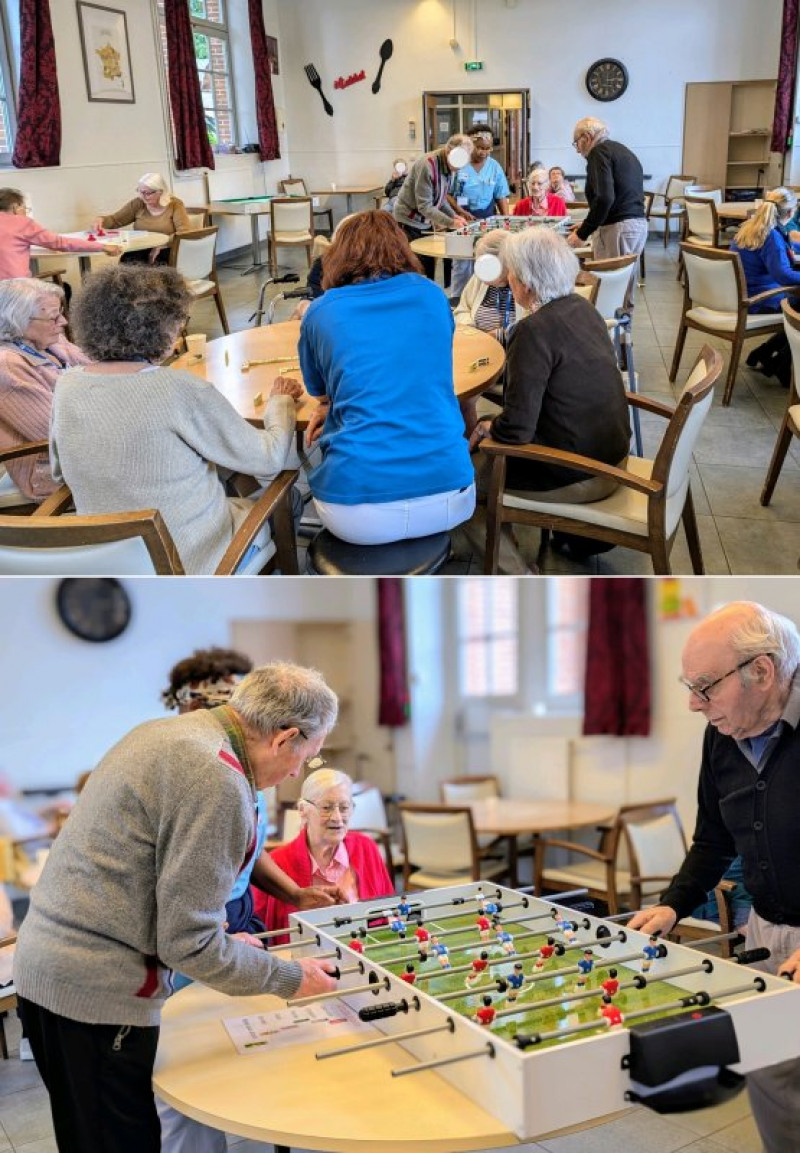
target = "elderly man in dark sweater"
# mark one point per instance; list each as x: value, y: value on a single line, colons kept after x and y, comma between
x: 740, y: 666
x: 614, y: 191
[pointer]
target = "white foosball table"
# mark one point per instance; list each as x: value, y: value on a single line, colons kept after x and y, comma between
x: 460, y: 242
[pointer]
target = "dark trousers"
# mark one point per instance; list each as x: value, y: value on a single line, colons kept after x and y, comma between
x: 99, y: 1078
x: 142, y: 256
x: 428, y: 262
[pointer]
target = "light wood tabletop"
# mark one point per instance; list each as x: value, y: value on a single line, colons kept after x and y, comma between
x: 287, y: 1097
x: 130, y: 240
x: 736, y: 209
x: 248, y: 389
x: 433, y: 245
x: 348, y: 191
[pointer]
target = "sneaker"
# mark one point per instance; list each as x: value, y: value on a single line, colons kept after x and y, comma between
x: 25, y: 1051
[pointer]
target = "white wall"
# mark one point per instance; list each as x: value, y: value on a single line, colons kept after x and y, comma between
x: 544, y: 47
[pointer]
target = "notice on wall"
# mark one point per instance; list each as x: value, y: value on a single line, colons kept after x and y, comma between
x: 301, y: 1025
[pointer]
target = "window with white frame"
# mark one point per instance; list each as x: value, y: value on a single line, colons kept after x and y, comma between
x: 488, y: 637
x: 209, y: 19
x: 8, y: 120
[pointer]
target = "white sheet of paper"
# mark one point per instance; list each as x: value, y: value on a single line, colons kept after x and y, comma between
x: 298, y: 1025
x: 6, y: 965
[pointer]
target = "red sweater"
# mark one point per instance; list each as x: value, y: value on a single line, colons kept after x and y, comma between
x: 555, y: 207
x: 295, y: 859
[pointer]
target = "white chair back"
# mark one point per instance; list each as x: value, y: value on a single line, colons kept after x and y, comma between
x: 293, y: 215
x: 291, y: 824
x: 700, y: 221
x: 295, y: 188
x: 438, y: 842
x: 196, y: 219
x: 793, y: 336
x: 115, y: 558
x: 195, y: 258
x: 712, y: 283
x: 614, y: 285
x: 369, y: 811
x: 657, y: 847
x: 677, y: 481
x: 698, y: 193
x: 462, y: 792
x: 676, y: 186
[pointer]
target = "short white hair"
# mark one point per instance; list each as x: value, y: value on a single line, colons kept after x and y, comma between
x: 20, y: 300
x: 317, y: 785
x: 460, y: 140
x: 286, y: 696
x: 760, y: 631
x: 593, y: 127
x: 543, y: 262
x: 156, y: 182
x: 493, y: 244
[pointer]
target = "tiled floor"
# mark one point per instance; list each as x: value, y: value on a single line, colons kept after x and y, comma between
x: 730, y: 463
x: 25, y: 1125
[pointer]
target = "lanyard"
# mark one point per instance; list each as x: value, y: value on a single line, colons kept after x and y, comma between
x: 507, y: 310
x: 59, y: 366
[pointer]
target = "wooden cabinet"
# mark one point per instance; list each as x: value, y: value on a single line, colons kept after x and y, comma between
x: 727, y: 130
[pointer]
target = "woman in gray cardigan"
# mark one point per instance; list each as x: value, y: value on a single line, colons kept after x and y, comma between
x: 128, y: 434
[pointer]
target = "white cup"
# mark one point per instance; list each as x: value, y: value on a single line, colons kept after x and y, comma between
x: 196, y: 345
x: 333, y: 187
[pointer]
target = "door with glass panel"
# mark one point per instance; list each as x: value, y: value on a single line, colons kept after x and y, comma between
x: 505, y: 113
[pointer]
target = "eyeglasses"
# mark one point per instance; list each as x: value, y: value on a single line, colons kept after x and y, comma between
x: 148, y: 191
x: 345, y: 808
x: 311, y: 764
x: 704, y: 691
x: 577, y: 139
x: 51, y: 319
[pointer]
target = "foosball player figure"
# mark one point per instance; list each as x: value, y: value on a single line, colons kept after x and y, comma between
x: 650, y: 951
x: 505, y: 941
x: 610, y: 1011
x: 397, y: 924
x: 486, y: 1014
x: 440, y: 952
x: 611, y: 985
x: 356, y: 944
x: 545, y: 953
x: 584, y: 966
x: 479, y: 966
x: 490, y: 906
x: 404, y: 906
x: 410, y: 974
x: 484, y: 926
x: 515, y: 981
x: 567, y: 927
x: 423, y: 941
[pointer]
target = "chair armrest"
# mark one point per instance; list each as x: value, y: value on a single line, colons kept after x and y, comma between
x: 58, y: 502
x: 29, y: 448
x: 242, y: 485
x: 275, y: 500
x: 655, y: 195
x: 575, y: 848
x: 543, y: 454
x: 792, y: 289
x: 655, y: 406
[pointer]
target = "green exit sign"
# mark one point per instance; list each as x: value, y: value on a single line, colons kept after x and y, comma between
x: 473, y: 66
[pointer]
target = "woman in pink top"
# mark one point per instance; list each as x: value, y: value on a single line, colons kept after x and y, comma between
x: 33, y: 353
x: 18, y: 233
x: 540, y: 202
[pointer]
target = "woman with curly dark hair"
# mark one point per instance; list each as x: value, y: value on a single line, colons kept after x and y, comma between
x: 127, y: 433
x: 377, y: 349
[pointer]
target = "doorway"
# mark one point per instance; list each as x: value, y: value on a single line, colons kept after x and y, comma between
x: 506, y: 112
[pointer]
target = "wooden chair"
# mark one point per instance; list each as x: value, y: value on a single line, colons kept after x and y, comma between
x: 459, y: 791
x: 715, y: 301
x: 194, y: 254
x: 673, y: 198
x: 369, y: 817
x: 615, y: 275
x: 8, y: 998
x: 290, y: 224
x: 12, y: 501
x: 790, y: 425
x: 440, y: 848
x: 654, y: 495
x: 701, y: 225
x: 586, y: 285
x: 199, y: 217
x: 294, y: 186
x: 138, y: 543
x: 648, y: 204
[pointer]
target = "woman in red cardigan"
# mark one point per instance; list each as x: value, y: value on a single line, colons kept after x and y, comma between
x: 324, y: 852
x: 540, y: 201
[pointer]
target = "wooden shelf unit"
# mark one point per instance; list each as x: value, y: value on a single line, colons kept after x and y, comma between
x: 727, y: 133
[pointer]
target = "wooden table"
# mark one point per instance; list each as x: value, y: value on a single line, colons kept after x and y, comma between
x: 242, y: 388
x: 288, y: 1098
x: 433, y: 245
x: 735, y: 210
x: 131, y: 240
x: 349, y: 191
x: 506, y: 817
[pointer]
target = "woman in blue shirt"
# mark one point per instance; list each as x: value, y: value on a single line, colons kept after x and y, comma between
x: 377, y: 349
x: 481, y: 191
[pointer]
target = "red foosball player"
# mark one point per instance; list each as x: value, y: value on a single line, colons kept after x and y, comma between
x: 410, y: 974
x: 423, y: 941
x: 484, y: 926
x: 545, y: 953
x: 479, y: 965
x: 356, y: 944
x: 486, y: 1014
x: 610, y: 1011
x: 611, y: 985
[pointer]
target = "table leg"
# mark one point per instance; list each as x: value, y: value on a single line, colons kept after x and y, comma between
x: 257, y: 262
x: 512, y: 863
x: 84, y: 265
x: 349, y: 202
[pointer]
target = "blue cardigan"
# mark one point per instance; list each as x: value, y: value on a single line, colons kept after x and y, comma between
x: 769, y: 266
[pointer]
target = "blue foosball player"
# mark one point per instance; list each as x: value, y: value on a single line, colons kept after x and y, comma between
x: 515, y: 981
x: 650, y: 951
x: 584, y: 966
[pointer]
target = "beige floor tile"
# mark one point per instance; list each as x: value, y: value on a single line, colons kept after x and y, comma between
x: 639, y: 1131
x: 25, y: 1116
x: 741, y: 1137
x: 734, y: 491
x: 708, y: 1122
x: 755, y: 547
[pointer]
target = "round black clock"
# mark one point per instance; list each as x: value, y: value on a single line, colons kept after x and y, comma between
x: 93, y: 609
x: 607, y: 79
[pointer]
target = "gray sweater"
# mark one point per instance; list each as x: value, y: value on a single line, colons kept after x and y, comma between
x: 136, y: 882
x: 153, y: 439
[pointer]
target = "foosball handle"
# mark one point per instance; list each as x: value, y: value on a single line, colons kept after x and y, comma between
x: 750, y: 956
x: 388, y: 1009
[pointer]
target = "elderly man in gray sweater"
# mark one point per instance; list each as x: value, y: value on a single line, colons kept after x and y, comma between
x: 135, y: 886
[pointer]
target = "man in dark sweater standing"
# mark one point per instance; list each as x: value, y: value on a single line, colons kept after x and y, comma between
x: 740, y: 666
x: 614, y: 191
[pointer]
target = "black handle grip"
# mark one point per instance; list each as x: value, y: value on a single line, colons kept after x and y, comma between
x: 750, y: 956
x: 379, y: 1012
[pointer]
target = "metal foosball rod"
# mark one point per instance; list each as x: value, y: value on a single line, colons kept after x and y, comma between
x: 372, y: 987
x: 510, y: 958
x: 386, y: 1039
x: 268, y: 933
x: 391, y: 903
x: 372, y: 946
x: 487, y: 1051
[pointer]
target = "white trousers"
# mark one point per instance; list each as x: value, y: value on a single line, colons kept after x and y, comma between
x: 180, y: 1134
x: 398, y: 519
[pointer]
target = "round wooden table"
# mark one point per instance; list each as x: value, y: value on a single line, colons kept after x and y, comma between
x: 248, y: 389
x: 130, y: 240
x: 735, y: 210
x: 433, y: 245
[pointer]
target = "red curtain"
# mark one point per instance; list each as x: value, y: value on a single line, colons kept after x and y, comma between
x: 394, y: 699
x: 787, y: 70
x: 38, y: 141
x: 617, y: 687
x: 268, y: 146
x: 192, y: 149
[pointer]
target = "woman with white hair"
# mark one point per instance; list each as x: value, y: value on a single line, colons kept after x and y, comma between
x: 422, y: 204
x: 324, y: 852
x: 153, y: 209
x: 33, y: 353
x: 563, y: 387
x: 540, y: 201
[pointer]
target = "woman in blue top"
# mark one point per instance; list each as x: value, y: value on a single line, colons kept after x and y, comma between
x: 377, y: 349
x: 481, y: 191
x: 767, y: 258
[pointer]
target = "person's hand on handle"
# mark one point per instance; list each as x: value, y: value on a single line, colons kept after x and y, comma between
x: 575, y: 241
x: 460, y: 221
x: 316, y: 978
x: 113, y: 249
x: 658, y: 919
x: 317, y: 422
x: 287, y: 386
x: 791, y: 967
x: 248, y: 939
x: 301, y: 309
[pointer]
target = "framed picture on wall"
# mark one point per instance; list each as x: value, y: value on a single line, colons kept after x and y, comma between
x: 106, y: 54
x: 272, y: 52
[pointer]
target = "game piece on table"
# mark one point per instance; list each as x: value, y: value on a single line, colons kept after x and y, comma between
x: 567, y: 927
x: 611, y: 1012
x: 545, y: 953
x: 258, y: 400
x: 584, y: 966
x: 410, y: 974
x: 101, y: 231
x: 479, y: 965
x: 397, y: 924
x: 515, y: 981
x: 506, y: 941
x: 355, y: 943
x: 484, y: 925
x: 489, y: 904
x: 486, y: 1014
x: 651, y: 951
x: 404, y: 906
x: 91, y: 236
x: 611, y: 985
x: 423, y: 941
x: 440, y: 952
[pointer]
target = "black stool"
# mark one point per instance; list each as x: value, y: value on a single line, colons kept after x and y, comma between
x: 329, y: 556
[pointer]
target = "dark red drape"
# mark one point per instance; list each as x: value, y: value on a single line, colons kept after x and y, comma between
x: 617, y: 687
x: 38, y: 140
x: 787, y: 70
x: 192, y: 148
x: 268, y: 146
x: 394, y: 700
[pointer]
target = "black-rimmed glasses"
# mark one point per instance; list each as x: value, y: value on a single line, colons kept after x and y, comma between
x: 703, y: 691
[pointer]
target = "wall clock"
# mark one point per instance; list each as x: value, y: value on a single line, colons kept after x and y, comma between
x: 607, y: 79
x: 94, y: 610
